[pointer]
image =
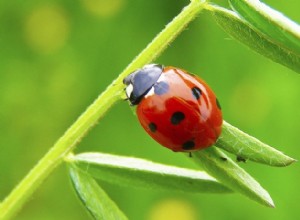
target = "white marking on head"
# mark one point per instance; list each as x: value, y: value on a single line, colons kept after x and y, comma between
x: 129, y: 90
x: 149, y: 65
x: 161, y: 78
x: 150, y: 92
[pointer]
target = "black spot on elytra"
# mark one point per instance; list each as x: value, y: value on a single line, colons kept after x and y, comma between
x: 161, y: 88
x: 189, y: 145
x: 196, y: 92
x: 152, y: 127
x: 218, y: 104
x: 177, y: 117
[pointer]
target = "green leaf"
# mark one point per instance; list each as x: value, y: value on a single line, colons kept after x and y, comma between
x: 243, y: 145
x: 134, y: 172
x: 241, y: 31
x: 272, y: 23
x: 217, y: 164
x: 96, y: 201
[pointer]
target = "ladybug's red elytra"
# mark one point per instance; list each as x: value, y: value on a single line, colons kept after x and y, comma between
x: 177, y: 109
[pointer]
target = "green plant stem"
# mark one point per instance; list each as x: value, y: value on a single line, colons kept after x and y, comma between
x: 16, y: 199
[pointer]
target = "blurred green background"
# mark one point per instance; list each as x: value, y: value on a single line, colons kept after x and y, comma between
x: 57, y: 56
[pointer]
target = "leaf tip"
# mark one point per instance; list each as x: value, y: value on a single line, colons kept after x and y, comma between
x: 266, y: 199
x: 288, y: 161
x: 271, y: 203
x: 291, y: 160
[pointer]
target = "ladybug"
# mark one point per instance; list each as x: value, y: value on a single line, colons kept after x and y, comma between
x: 176, y: 108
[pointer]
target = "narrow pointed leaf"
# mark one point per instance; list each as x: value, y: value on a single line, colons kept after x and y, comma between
x: 134, y: 172
x: 244, y: 146
x: 93, y: 197
x: 272, y: 23
x: 231, y: 23
x: 217, y: 164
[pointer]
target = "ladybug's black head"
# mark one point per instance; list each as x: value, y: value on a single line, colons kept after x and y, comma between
x: 141, y: 81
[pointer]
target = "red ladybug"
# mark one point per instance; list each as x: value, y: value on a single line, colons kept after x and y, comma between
x: 176, y: 108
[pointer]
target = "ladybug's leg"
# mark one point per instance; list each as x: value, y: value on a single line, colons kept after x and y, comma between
x: 240, y: 159
x: 223, y: 158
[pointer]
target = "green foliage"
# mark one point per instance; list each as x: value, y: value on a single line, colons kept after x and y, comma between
x: 96, y: 201
x: 243, y: 145
x: 254, y: 24
x: 229, y: 173
x: 277, y: 27
x: 135, y: 172
x: 255, y: 40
